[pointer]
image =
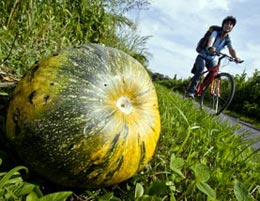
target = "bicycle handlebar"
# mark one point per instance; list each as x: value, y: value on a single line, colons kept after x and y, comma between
x: 222, y: 55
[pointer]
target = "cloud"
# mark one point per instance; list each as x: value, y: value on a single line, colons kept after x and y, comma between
x: 251, y: 55
x: 171, y: 57
x: 191, y: 5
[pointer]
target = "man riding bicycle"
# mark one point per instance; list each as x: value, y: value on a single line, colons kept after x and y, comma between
x: 217, y: 40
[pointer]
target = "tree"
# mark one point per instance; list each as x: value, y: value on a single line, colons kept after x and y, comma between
x: 247, y: 95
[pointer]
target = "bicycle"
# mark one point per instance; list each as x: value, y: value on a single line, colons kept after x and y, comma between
x: 217, y: 89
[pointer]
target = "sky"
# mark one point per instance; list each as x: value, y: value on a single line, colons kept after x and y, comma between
x: 176, y: 26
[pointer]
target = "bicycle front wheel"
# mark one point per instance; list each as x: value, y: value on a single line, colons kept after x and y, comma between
x: 219, y: 94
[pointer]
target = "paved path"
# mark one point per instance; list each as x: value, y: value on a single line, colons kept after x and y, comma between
x: 249, y: 131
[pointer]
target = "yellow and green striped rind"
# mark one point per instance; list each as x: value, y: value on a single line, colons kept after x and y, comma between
x: 86, y: 117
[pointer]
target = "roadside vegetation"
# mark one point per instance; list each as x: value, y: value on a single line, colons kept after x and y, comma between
x: 197, y: 157
x: 244, y: 106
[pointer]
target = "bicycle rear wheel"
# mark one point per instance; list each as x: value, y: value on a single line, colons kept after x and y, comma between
x: 219, y: 94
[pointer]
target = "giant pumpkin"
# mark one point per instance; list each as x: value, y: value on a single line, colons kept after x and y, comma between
x: 85, y: 117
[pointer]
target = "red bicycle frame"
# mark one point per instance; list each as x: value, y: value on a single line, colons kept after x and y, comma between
x: 212, y: 72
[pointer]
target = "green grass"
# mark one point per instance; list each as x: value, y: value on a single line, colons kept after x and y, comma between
x: 197, y: 158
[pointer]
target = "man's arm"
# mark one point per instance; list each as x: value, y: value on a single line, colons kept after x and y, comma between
x: 233, y: 53
x: 212, y: 39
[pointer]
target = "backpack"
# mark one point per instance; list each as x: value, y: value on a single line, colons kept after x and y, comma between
x: 204, y: 40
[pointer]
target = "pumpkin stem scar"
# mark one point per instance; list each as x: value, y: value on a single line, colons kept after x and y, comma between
x: 125, y: 105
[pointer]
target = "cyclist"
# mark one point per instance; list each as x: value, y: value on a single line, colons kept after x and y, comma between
x: 207, y: 56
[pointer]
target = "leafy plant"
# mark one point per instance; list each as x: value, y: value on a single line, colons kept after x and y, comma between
x: 13, y: 187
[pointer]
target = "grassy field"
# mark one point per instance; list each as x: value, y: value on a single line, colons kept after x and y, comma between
x: 197, y: 158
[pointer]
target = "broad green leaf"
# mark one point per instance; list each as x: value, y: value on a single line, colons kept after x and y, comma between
x: 106, y: 197
x: 157, y: 188
x: 202, y: 172
x: 32, y: 197
x: 10, y: 174
x: 148, y: 198
x: 27, y: 188
x: 58, y: 196
x: 176, y: 165
x: 205, y: 188
x: 241, y: 192
x: 139, y: 190
x: 171, y: 185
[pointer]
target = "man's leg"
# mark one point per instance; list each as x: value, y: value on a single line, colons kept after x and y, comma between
x: 199, y: 66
